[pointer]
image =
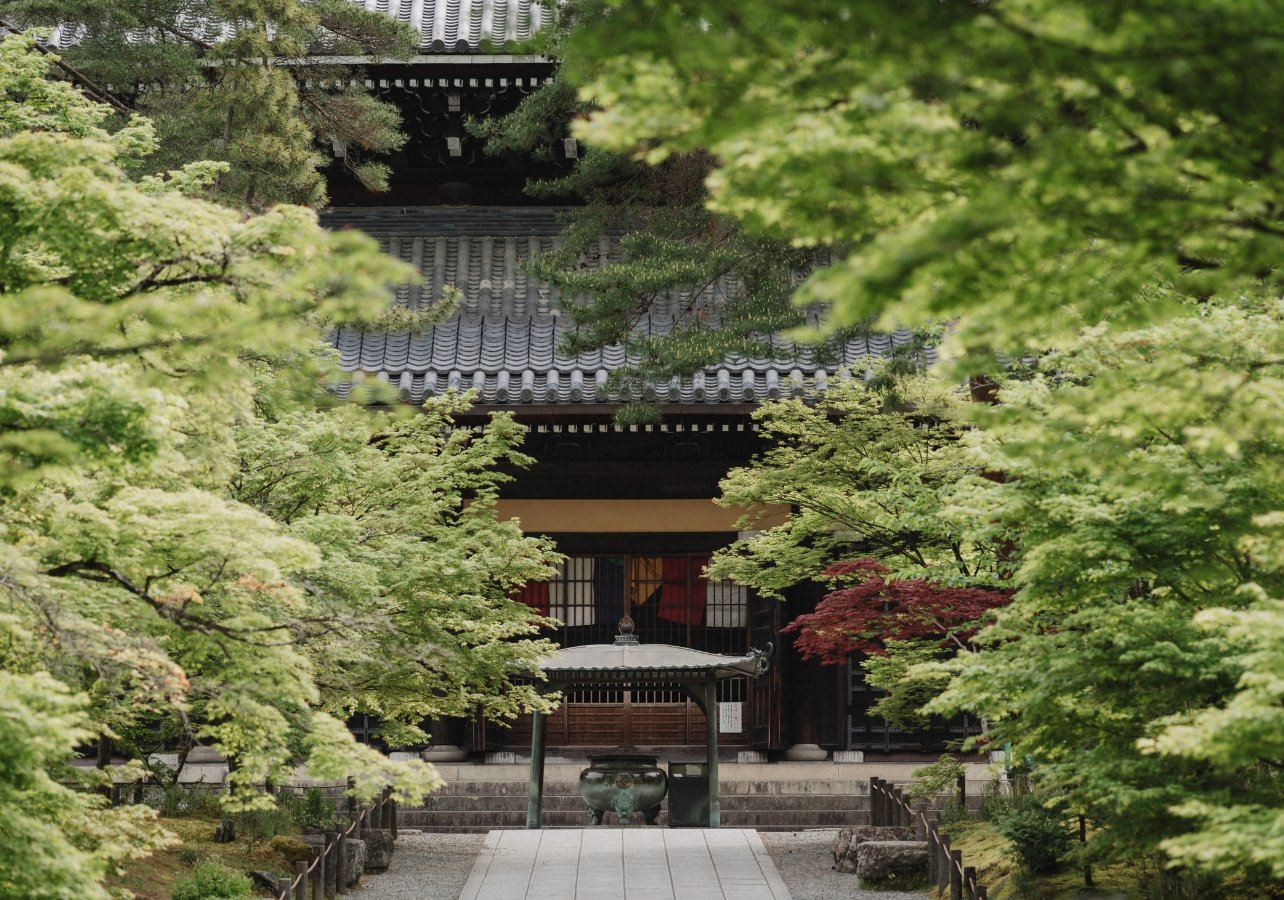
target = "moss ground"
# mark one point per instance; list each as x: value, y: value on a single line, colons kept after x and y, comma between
x: 152, y: 878
x: 985, y: 848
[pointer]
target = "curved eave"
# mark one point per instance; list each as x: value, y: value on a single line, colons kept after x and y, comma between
x: 614, y: 663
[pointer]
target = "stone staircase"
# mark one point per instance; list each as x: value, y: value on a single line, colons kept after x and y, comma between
x: 781, y: 796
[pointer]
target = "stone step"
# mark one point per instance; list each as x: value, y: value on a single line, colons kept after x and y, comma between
x: 483, y: 829
x: 440, y: 803
x: 763, y: 820
x: 727, y: 788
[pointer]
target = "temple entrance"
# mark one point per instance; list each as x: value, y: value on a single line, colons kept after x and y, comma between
x: 639, y: 716
x: 672, y: 603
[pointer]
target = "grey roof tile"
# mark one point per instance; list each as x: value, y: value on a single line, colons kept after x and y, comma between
x: 444, y: 26
x: 504, y: 340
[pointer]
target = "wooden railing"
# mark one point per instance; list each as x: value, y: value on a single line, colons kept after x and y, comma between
x: 327, y: 874
x: 888, y: 806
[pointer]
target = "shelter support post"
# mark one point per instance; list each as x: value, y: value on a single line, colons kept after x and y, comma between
x: 535, y: 806
x: 711, y: 730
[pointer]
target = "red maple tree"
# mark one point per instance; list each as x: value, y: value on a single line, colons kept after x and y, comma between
x: 874, y: 609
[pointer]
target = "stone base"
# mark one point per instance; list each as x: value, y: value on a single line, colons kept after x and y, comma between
x: 891, y: 864
x: 444, y: 753
x: 203, y: 754
x: 806, y: 753
x: 850, y: 838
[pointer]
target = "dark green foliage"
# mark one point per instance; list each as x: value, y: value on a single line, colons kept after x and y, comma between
x: 255, y: 99
x: 670, y: 243
x: 212, y: 881
x: 316, y: 810
x: 1039, y: 835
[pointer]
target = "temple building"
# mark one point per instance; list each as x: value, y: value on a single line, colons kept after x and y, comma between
x: 631, y: 507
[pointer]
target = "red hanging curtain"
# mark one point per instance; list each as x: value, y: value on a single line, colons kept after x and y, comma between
x: 685, y: 589
x: 534, y: 594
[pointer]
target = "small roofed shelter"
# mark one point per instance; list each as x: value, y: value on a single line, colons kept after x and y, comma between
x: 627, y: 662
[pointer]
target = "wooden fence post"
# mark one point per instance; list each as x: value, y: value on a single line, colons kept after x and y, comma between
x: 969, y: 881
x: 300, y: 880
x: 956, y: 875
x: 943, y: 864
x: 392, y: 813
x: 873, y: 800
x: 318, y: 875
x: 933, y: 848
x: 332, y: 863
x: 352, y: 801
x: 962, y: 792
x: 341, y: 864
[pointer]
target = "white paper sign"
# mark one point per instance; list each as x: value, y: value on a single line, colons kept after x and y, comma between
x: 730, y: 719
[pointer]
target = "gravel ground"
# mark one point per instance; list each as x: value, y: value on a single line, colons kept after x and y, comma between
x: 425, y: 867
x: 805, y: 861
x: 436, y: 866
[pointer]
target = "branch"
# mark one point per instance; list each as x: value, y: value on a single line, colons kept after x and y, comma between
x: 102, y: 95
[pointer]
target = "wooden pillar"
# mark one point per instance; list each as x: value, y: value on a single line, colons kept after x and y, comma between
x: 535, y: 806
x: 711, y: 730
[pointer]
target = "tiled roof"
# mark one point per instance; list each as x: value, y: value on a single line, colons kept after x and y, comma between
x: 444, y: 26
x: 503, y: 341
x: 464, y: 25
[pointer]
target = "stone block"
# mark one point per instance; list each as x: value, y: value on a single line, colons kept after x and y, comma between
x: 891, y: 864
x: 356, y: 854
x: 850, y: 838
x: 378, y: 849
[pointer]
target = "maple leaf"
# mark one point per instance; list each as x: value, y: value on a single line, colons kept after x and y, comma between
x: 874, y: 609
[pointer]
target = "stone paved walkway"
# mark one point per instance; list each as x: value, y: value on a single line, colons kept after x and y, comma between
x: 591, y: 864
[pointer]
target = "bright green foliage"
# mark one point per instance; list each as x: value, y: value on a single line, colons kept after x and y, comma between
x: 259, y: 96
x: 1102, y: 179
x: 1135, y: 665
x: 150, y: 571
x: 859, y: 472
x: 416, y: 582
x: 868, y: 473
x: 57, y: 842
x: 1246, y: 733
x: 1024, y: 166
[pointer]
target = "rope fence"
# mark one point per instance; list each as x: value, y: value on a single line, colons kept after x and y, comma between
x: 327, y: 874
x: 888, y: 806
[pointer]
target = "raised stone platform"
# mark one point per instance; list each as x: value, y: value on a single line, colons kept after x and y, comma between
x: 782, y: 796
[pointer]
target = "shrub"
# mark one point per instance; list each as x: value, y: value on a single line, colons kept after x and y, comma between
x: 316, y: 811
x: 212, y: 881
x: 257, y: 825
x: 189, y: 857
x: 1039, y: 835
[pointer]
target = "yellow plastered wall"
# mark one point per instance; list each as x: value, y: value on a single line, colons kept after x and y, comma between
x: 541, y: 516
